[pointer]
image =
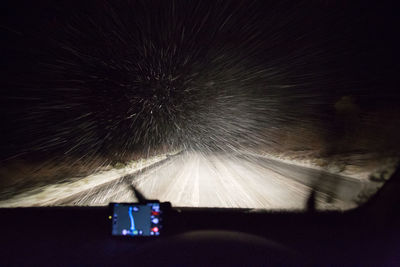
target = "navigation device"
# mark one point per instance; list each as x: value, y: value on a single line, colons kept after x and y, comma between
x: 136, y: 219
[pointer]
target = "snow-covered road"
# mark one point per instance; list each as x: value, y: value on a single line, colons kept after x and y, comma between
x: 223, y: 180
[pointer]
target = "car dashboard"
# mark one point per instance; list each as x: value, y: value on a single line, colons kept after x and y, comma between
x: 199, y: 236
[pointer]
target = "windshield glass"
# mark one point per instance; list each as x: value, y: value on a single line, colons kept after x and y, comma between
x: 251, y: 104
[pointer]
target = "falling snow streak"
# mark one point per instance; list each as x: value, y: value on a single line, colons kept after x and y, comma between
x: 147, y: 74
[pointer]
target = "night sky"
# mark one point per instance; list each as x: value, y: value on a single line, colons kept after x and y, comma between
x: 115, y: 79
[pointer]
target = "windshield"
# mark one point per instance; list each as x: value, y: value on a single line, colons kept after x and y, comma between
x: 204, y: 104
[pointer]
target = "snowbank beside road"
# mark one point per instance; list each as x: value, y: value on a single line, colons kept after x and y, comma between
x: 48, y: 194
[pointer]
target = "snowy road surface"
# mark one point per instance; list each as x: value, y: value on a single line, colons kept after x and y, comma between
x: 223, y: 180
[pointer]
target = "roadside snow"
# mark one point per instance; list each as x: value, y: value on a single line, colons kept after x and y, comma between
x: 47, y: 194
x: 352, y: 171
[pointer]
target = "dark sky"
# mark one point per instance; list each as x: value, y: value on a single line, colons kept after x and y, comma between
x: 111, y: 77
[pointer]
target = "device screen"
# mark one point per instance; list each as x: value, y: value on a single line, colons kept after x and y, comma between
x: 130, y: 219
